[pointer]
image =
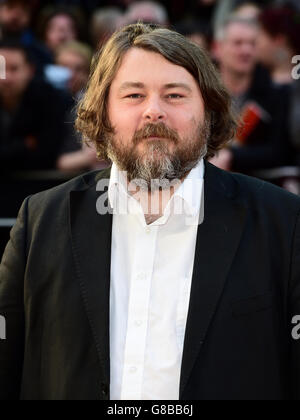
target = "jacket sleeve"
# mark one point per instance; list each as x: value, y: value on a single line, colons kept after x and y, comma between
x: 294, y: 316
x: 12, y: 270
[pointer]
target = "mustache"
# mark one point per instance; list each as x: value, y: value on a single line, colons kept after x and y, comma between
x: 155, y: 130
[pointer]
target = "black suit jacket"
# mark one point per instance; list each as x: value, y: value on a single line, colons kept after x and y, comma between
x: 55, y: 282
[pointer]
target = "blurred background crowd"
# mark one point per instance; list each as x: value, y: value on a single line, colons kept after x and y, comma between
x: 48, y: 48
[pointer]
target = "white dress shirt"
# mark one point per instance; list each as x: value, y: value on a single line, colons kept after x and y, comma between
x: 151, y: 276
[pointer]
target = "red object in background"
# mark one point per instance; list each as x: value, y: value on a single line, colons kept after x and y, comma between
x: 252, y: 115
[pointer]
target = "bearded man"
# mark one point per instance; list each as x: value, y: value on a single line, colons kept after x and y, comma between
x: 162, y: 278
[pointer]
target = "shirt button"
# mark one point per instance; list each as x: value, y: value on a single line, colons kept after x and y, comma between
x: 148, y: 231
x: 133, y: 369
x: 138, y: 323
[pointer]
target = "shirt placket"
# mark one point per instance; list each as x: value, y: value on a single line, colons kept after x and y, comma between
x: 139, y: 302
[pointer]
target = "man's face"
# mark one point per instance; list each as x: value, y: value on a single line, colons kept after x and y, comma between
x: 60, y: 30
x: 19, y: 73
x: 157, y: 111
x: 238, y: 52
x: 79, y: 68
x: 15, y: 17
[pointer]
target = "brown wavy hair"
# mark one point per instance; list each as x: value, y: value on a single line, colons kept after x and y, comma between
x: 92, y: 115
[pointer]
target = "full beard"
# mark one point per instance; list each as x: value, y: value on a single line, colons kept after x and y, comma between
x: 156, y: 167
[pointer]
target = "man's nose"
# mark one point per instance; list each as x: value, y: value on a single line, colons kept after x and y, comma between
x: 154, y: 111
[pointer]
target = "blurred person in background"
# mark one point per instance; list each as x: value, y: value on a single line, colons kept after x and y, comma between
x: 147, y: 12
x: 73, y: 156
x: 244, y: 8
x: 76, y: 57
x: 248, y: 11
x: 104, y: 23
x: 263, y: 139
x: 279, y: 42
x: 86, y: 6
x: 15, y: 16
x: 15, y: 23
x: 31, y: 114
x: 60, y: 25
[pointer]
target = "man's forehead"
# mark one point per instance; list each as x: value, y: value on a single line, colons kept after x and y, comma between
x: 138, y: 69
x: 238, y: 30
x: 141, y: 85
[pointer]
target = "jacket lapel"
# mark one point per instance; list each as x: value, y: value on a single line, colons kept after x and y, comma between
x: 217, y: 242
x: 91, y: 243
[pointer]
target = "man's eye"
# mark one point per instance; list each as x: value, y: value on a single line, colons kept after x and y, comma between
x: 175, y: 96
x: 134, y: 96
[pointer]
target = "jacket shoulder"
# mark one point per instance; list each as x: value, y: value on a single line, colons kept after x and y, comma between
x: 253, y: 192
x: 265, y: 193
x: 61, y: 193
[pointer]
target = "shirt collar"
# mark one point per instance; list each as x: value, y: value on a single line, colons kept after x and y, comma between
x: 117, y: 182
x: 190, y: 191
